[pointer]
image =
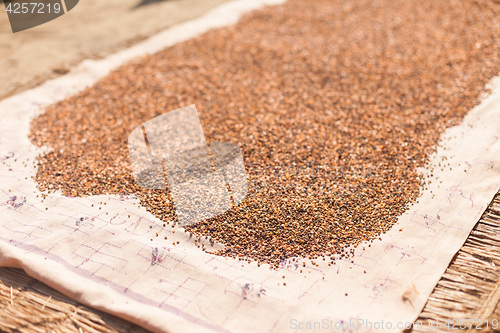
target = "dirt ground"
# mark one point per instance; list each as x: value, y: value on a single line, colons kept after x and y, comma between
x: 93, y: 29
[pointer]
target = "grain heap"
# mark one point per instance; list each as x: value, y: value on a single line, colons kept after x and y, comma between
x: 334, y: 104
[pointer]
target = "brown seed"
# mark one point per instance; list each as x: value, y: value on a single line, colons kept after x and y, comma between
x: 332, y: 133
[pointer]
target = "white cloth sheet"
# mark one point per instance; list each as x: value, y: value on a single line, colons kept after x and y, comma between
x: 109, y: 261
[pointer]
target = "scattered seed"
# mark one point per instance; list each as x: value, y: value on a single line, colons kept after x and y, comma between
x: 333, y: 126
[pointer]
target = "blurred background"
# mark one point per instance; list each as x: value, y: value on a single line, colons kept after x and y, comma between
x: 93, y: 29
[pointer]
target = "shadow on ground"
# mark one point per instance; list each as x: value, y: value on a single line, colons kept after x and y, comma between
x: 148, y: 2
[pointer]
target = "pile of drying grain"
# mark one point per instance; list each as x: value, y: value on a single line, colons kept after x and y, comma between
x: 334, y: 104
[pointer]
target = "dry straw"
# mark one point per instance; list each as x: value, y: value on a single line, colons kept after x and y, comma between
x: 470, y: 287
x: 29, y: 306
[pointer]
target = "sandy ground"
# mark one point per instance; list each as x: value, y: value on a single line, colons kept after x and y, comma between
x: 93, y: 29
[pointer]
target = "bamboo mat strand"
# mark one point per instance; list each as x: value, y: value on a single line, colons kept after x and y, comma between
x: 29, y: 306
x: 470, y: 287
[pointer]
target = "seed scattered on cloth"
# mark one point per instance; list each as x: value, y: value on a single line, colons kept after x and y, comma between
x: 335, y: 104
